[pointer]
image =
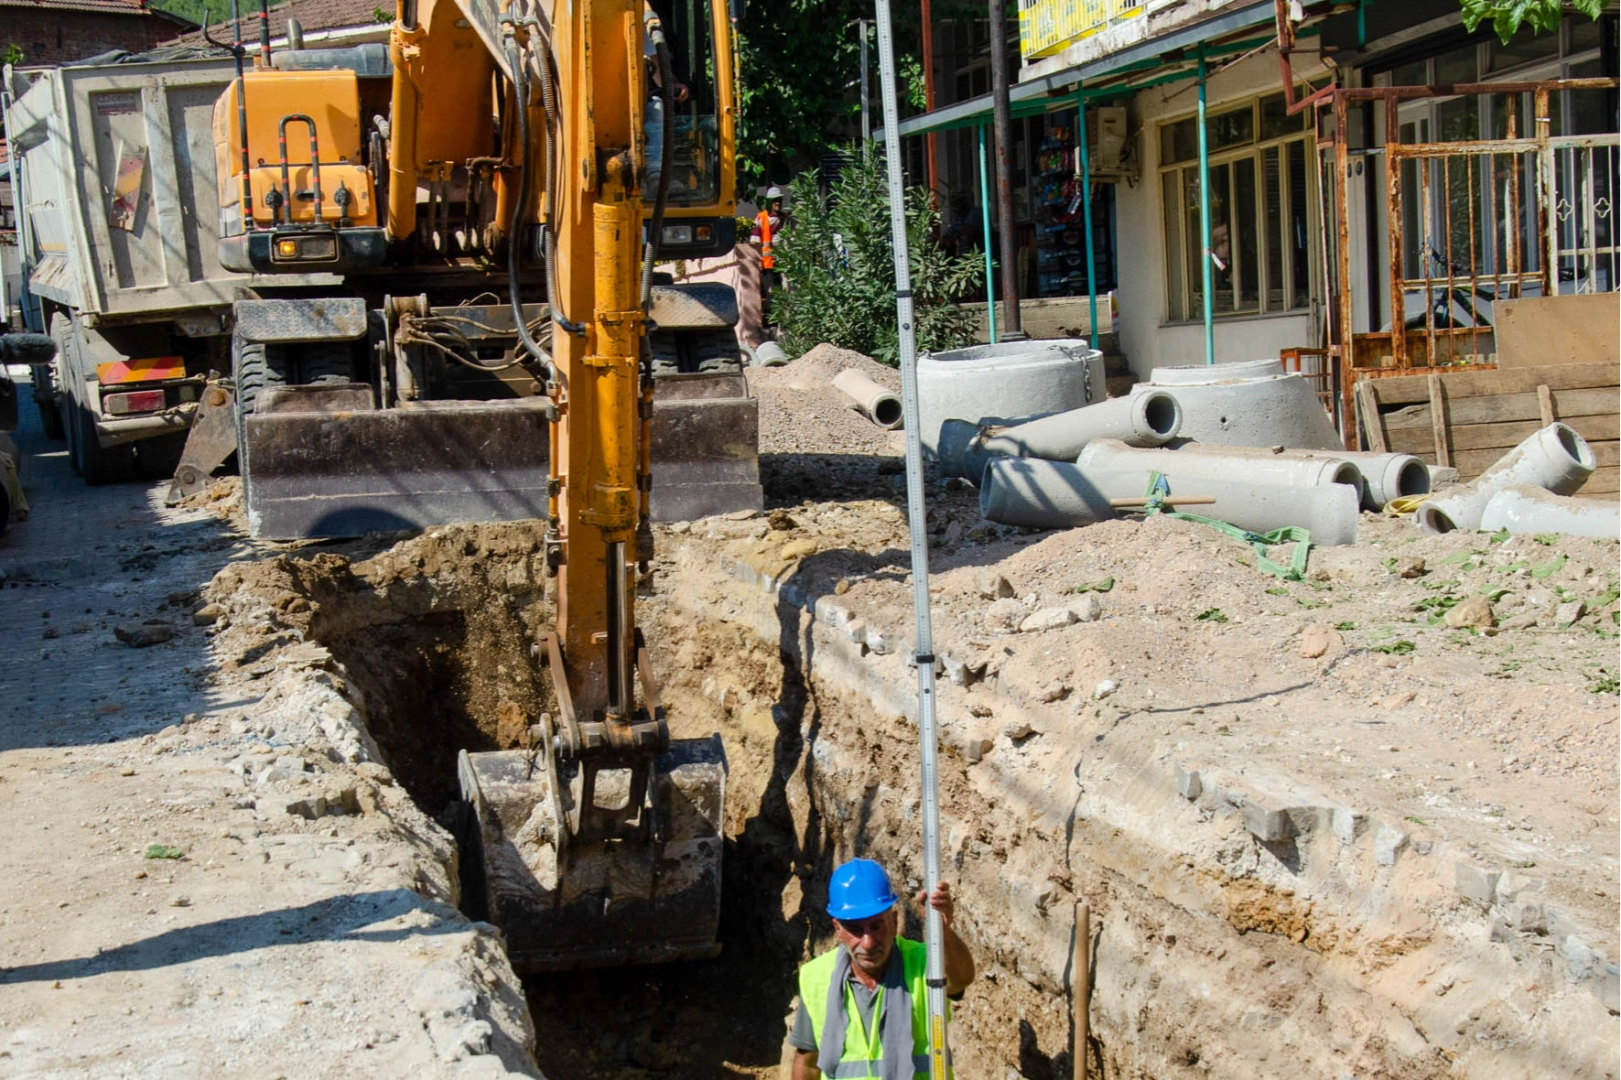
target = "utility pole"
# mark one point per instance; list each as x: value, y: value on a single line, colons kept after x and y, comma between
x: 1003, y: 118
x: 928, y: 93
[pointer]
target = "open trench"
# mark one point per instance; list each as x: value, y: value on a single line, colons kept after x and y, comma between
x: 1206, y: 959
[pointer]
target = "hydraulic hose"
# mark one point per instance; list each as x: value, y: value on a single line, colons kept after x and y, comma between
x: 666, y: 156
x: 520, y: 84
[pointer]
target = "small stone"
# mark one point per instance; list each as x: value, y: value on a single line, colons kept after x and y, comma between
x: 779, y: 520
x: 878, y: 642
x: 1189, y: 784
x: 1051, y: 692
x: 1387, y: 843
x: 1399, y: 700
x: 180, y: 901
x: 140, y: 875
x: 1104, y: 689
x: 1004, y: 613
x: 1051, y: 618
x: 1566, y: 614
x: 50, y: 632
x: 1087, y: 609
x: 841, y: 587
x: 1523, y: 621
x: 208, y: 614
x: 1016, y: 730
x: 798, y: 549
x: 1409, y: 566
x: 742, y: 515
x: 1474, y: 883
x: 975, y: 747
x: 991, y: 585
x: 978, y: 710
x: 127, y: 770
x: 1475, y: 611
x: 1317, y: 640
x: 141, y: 635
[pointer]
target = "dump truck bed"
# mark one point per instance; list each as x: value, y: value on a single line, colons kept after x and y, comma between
x: 118, y: 176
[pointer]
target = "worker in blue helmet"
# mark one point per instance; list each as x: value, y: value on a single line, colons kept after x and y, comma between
x: 863, y: 1006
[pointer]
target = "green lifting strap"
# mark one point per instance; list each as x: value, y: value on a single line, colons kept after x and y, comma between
x: 1159, y: 488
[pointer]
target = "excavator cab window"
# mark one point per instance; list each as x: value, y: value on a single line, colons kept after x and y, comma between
x: 689, y: 29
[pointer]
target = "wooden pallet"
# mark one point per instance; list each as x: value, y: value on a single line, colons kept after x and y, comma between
x: 1470, y: 419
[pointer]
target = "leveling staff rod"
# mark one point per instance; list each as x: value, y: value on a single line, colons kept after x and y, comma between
x: 934, y: 935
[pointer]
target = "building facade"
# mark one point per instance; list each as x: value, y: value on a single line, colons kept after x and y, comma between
x: 1290, y: 259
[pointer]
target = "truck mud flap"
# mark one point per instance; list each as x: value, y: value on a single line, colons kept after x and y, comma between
x: 706, y: 447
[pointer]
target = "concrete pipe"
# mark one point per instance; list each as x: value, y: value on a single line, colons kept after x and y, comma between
x: 1555, y: 458
x: 1389, y: 476
x: 1055, y: 494
x: 1522, y: 508
x: 1382, y: 477
x: 1193, y: 462
x: 1150, y: 419
x: 1006, y: 383
x: 768, y: 354
x: 873, y: 401
x: 1252, y: 403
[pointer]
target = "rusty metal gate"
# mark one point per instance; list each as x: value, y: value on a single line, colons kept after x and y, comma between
x: 1467, y: 222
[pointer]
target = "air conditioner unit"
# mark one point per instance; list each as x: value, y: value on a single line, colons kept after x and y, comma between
x: 1109, y: 156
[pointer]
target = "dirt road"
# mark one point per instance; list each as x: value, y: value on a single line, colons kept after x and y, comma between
x: 162, y: 914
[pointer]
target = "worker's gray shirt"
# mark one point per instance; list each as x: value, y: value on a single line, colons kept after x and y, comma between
x: 803, y: 1038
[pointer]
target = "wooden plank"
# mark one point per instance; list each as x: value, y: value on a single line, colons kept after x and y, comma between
x: 1505, y: 407
x: 1410, y: 389
x: 1604, y: 483
x: 1544, y: 330
x: 1367, y: 410
x: 1504, y: 436
x: 1545, y: 405
x: 1471, y: 463
x: 1438, y: 421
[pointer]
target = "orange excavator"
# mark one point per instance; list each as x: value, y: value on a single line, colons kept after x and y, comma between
x: 497, y: 152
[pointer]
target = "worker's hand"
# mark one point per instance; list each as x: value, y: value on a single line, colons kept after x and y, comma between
x: 940, y: 901
x: 681, y: 92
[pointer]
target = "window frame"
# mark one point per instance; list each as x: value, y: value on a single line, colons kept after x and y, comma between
x: 1180, y: 271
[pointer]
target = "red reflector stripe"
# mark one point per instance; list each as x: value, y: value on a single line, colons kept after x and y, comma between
x: 136, y: 402
x: 141, y: 369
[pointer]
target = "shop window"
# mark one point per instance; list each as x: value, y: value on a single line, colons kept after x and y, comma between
x: 1259, y: 212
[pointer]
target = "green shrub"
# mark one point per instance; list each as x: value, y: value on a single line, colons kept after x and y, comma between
x: 837, y: 257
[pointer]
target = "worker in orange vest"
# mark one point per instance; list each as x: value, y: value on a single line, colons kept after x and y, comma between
x: 768, y: 225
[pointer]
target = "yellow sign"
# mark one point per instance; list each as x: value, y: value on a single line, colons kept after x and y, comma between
x: 1046, y: 26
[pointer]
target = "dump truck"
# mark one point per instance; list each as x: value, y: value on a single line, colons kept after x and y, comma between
x: 118, y: 220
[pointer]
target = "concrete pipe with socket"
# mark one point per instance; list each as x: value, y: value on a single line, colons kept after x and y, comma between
x: 1146, y: 419
x: 1055, y: 494
x: 1555, y: 458
x: 874, y: 402
x: 1522, y: 508
x: 1380, y: 477
x: 1248, y: 403
x: 1192, y: 463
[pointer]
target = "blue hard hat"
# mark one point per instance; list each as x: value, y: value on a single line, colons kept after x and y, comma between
x: 859, y: 889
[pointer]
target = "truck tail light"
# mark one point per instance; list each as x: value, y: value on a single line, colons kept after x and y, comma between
x: 137, y: 401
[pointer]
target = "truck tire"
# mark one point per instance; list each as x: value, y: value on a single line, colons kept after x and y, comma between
x: 96, y: 463
x: 50, y: 420
x: 325, y: 362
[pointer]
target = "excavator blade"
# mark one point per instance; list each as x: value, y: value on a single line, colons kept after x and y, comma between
x: 321, y: 461
x: 565, y: 903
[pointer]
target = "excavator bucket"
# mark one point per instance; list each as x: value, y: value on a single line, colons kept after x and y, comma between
x: 568, y: 901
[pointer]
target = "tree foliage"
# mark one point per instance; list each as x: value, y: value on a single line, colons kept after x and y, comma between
x: 1507, y: 16
x: 799, y: 65
x: 838, y: 259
